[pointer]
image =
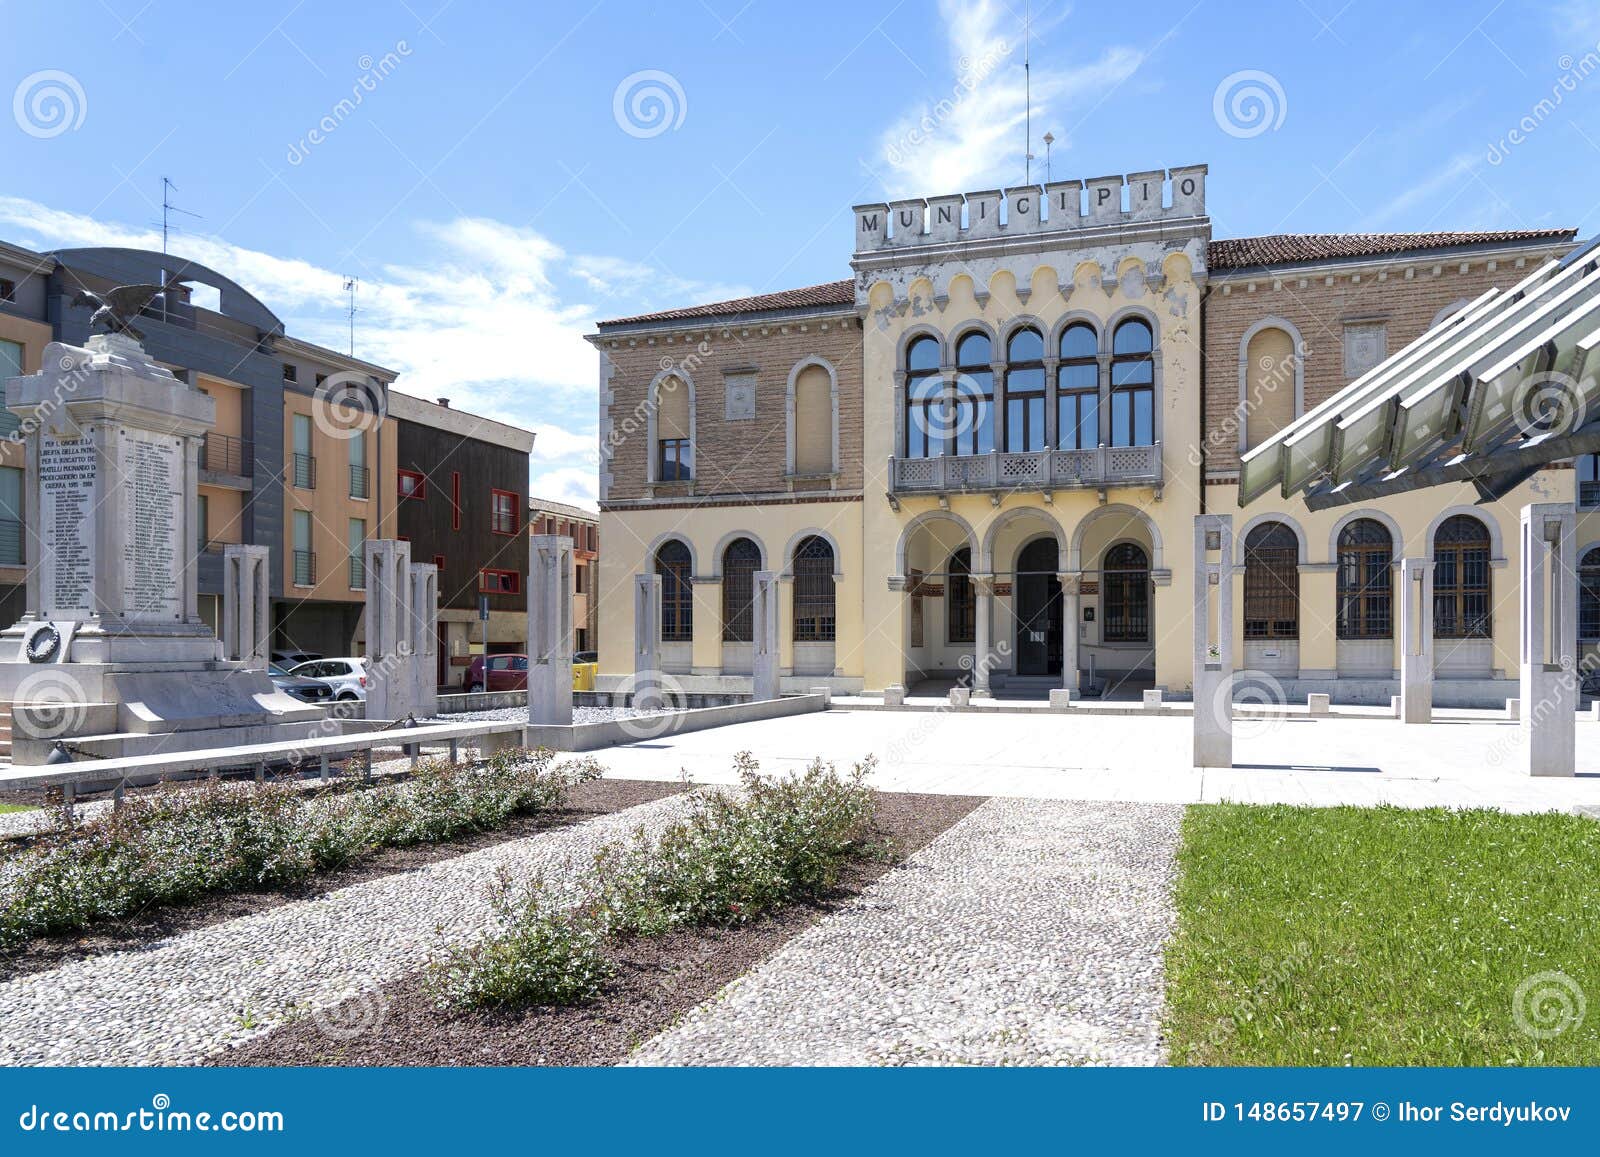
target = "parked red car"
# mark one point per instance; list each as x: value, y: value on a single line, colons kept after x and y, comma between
x: 496, y: 673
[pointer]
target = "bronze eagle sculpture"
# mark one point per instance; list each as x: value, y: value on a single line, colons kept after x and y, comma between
x: 116, y: 308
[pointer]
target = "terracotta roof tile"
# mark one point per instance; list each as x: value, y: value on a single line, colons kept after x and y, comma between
x: 1292, y: 248
x: 830, y: 293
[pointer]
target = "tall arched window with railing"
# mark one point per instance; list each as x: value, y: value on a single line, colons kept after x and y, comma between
x: 1461, y: 586
x: 1125, y: 598
x: 1366, y: 581
x: 925, y: 420
x: 1078, y: 389
x: 1133, y: 384
x: 813, y: 591
x: 1025, y: 428
x: 1271, y: 582
x: 961, y: 605
x: 971, y: 425
x: 677, y: 592
x: 740, y: 561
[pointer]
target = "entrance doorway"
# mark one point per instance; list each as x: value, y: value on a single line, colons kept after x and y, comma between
x: 1037, y: 599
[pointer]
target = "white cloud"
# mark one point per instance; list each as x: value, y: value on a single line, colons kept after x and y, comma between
x: 1437, y: 191
x: 487, y: 314
x: 971, y: 134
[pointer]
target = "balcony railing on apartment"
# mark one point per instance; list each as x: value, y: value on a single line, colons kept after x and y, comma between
x: 1033, y: 470
x: 360, y: 482
x: 215, y: 545
x: 358, y: 573
x: 11, y: 542
x: 305, y: 568
x: 1589, y: 494
x: 225, y: 454
x: 303, y: 471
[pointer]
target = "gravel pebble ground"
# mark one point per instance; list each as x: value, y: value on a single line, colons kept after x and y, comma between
x: 201, y: 991
x: 579, y: 715
x: 1030, y: 933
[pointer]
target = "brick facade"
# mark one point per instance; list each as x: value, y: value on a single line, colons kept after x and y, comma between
x: 733, y: 457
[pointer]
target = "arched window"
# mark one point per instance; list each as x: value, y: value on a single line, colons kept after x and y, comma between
x: 677, y: 592
x: 1366, y: 581
x: 674, y: 448
x: 739, y: 563
x: 972, y: 410
x: 1078, y: 389
x: 813, y: 421
x: 1271, y: 582
x: 813, y: 591
x: 924, y: 400
x: 1589, y: 596
x: 960, y: 600
x: 1461, y: 579
x: 1133, y: 384
x: 1125, y: 603
x: 1269, y: 376
x: 1025, y: 429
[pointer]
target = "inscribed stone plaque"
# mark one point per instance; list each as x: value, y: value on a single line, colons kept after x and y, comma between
x: 67, y: 485
x: 1366, y: 343
x: 739, y: 403
x: 152, y: 557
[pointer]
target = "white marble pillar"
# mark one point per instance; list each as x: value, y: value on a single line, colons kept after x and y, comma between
x: 647, y: 638
x: 550, y: 576
x: 1416, y: 640
x: 246, y: 605
x: 1213, y: 656
x: 1548, y: 662
x: 1071, y: 612
x: 764, y: 645
x: 983, y: 659
x: 390, y: 679
x: 424, y: 635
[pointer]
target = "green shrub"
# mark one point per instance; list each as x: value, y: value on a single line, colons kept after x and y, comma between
x: 176, y: 844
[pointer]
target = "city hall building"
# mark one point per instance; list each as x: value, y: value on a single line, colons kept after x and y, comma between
x: 979, y: 459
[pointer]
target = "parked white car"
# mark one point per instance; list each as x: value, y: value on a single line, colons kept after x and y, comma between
x: 345, y: 677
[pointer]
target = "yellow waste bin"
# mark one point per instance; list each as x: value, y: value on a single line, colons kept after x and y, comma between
x: 583, y: 676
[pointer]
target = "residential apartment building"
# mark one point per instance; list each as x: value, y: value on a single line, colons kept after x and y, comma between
x: 583, y: 527
x: 980, y: 457
x: 462, y: 485
x: 286, y: 466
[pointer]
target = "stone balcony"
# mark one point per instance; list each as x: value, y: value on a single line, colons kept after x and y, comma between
x: 1040, y: 470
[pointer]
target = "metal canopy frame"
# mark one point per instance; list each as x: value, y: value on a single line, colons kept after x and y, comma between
x: 1507, y: 384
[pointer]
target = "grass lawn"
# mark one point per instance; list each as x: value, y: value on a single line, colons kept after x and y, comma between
x: 14, y: 807
x: 1382, y: 936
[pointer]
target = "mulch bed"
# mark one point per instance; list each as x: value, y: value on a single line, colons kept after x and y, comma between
x: 132, y: 933
x: 658, y: 980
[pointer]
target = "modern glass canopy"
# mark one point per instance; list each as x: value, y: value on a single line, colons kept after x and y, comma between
x: 1501, y: 387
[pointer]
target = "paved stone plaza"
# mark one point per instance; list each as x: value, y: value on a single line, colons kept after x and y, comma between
x: 1464, y: 759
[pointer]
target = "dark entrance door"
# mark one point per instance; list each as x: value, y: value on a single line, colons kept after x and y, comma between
x: 1038, y: 609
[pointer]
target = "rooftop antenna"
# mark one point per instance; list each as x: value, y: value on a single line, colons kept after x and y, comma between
x: 167, y: 209
x: 1027, y: 93
x: 351, y: 284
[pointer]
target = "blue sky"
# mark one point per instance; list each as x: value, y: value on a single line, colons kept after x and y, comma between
x: 496, y: 190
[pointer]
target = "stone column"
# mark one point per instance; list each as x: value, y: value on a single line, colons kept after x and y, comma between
x: 646, y: 635
x: 1071, y: 612
x: 1416, y: 640
x: 983, y: 641
x: 424, y: 636
x: 550, y: 563
x: 1213, y: 657
x: 1548, y: 662
x: 246, y: 605
x: 764, y: 612
x: 390, y: 680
